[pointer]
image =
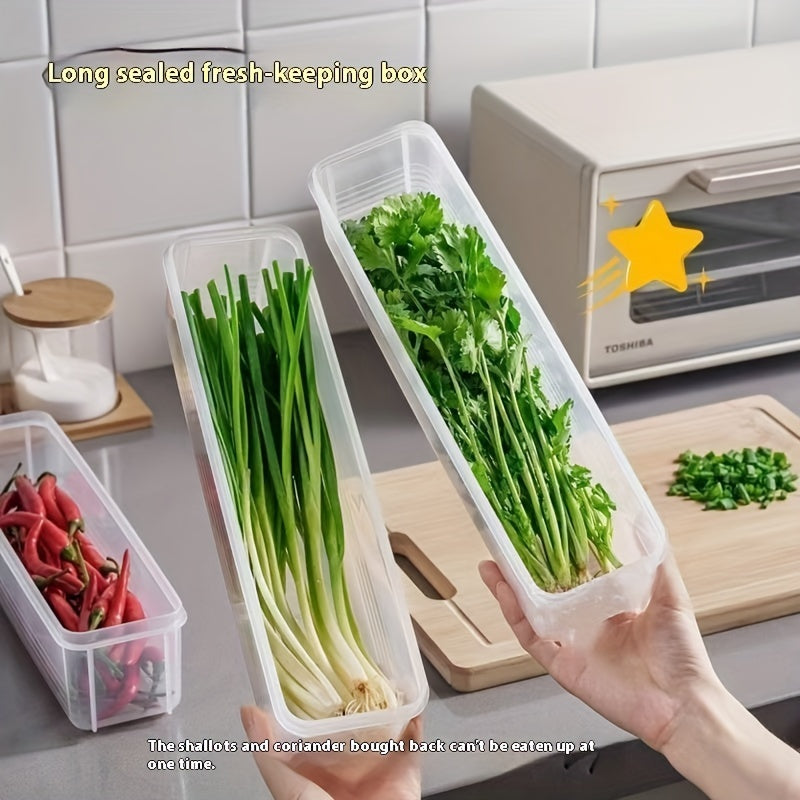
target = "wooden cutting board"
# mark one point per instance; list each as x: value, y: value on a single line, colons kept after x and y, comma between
x: 740, y: 566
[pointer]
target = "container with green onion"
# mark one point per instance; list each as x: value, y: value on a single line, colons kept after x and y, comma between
x: 305, y: 554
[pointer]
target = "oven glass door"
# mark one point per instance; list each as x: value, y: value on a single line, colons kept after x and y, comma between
x: 750, y: 253
x: 742, y: 294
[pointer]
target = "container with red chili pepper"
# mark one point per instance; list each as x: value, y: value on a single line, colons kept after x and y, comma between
x: 78, y: 584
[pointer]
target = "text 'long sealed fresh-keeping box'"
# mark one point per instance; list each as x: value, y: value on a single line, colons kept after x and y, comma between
x: 109, y: 675
x: 370, y: 574
x: 411, y: 159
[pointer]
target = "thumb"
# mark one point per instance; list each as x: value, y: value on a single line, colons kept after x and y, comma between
x: 283, y: 782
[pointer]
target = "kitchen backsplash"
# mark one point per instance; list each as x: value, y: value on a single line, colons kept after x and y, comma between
x: 97, y: 182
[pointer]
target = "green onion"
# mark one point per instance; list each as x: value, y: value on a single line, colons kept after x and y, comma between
x: 736, y: 478
x: 258, y: 373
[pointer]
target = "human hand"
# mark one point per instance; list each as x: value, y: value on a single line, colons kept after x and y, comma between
x: 336, y: 776
x: 643, y: 672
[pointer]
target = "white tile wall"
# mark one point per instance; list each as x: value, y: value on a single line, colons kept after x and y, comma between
x: 475, y: 42
x: 268, y: 13
x: 80, y: 25
x: 30, y: 267
x: 23, y: 30
x: 138, y: 158
x: 631, y: 30
x: 294, y: 125
x: 133, y: 268
x: 777, y: 21
x: 341, y: 311
x: 29, y: 204
x: 132, y: 167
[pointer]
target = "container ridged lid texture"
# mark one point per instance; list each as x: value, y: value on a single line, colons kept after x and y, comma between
x: 59, y: 303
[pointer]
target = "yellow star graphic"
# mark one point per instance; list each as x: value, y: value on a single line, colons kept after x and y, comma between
x: 611, y: 204
x: 655, y: 249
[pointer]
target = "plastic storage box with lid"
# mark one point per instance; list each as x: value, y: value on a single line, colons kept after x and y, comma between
x: 412, y: 158
x: 62, y: 348
x: 375, y: 592
x: 72, y: 662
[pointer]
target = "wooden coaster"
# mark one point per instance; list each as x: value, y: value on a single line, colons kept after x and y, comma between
x: 130, y: 414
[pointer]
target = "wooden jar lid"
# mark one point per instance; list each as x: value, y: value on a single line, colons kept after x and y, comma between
x: 59, y: 303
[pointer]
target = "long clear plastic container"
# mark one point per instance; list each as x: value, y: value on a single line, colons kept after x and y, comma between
x: 73, y: 663
x: 370, y: 570
x: 412, y: 158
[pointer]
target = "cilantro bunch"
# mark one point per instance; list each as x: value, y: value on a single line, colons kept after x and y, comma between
x: 446, y: 301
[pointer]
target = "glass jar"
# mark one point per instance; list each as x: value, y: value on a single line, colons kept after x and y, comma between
x: 62, y: 348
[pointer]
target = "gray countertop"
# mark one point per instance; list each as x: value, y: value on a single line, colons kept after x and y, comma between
x: 152, y: 476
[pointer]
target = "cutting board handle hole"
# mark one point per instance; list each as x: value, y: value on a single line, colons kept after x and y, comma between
x: 419, y: 569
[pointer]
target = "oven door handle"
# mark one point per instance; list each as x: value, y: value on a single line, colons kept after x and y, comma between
x: 750, y: 176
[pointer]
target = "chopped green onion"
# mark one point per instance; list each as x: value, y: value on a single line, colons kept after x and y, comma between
x: 738, y: 477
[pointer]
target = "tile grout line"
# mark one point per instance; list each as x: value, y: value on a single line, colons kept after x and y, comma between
x: 342, y: 18
x: 426, y: 52
x: 58, y: 176
x: 248, y: 144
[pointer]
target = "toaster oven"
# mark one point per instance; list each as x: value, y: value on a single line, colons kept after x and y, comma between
x: 654, y: 208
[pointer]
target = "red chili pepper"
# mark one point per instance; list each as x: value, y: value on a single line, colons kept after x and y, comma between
x: 70, y: 510
x: 30, y: 553
x: 47, y: 491
x: 8, y: 500
x: 108, y: 592
x: 72, y: 584
x: 93, y: 556
x: 73, y: 554
x: 112, y: 684
x: 100, y: 608
x: 50, y: 555
x: 62, y: 581
x: 42, y: 583
x: 126, y: 694
x: 102, y: 581
x: 89, y: 595
x: 28, y: 496
x: 25, y: 519
x: 130, y: 652
x: 116, y: 607
x: 63, y: 610
x: 69, y: 584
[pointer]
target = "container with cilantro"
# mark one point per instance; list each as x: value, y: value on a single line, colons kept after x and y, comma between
x: 554, y: 497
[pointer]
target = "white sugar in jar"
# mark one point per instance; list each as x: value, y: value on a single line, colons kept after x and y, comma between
x: 62, y: 348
